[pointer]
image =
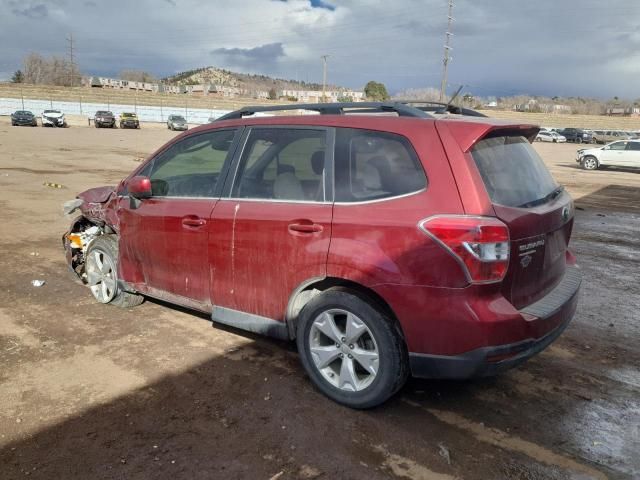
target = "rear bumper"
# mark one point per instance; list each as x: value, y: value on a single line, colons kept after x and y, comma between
x: 557, y: 307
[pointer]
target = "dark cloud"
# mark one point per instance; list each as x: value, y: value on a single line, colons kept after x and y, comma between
x: 33, y: 12
x: 257, y: 57
x: 500, y: 47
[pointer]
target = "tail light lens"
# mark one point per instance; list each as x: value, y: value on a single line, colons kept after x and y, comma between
x: 480, y: 244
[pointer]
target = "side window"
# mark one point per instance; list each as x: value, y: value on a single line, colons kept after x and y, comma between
x: 618, y: 146
x: 191, y: 167
x: 635, y: 146
x: 282, y: 164
x: 371, y: 165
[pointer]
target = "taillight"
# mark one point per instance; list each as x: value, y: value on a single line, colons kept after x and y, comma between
x: 480, y: 244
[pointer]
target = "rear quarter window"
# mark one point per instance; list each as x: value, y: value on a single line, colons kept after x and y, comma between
x: 513, y: 173
x: 372, y: 165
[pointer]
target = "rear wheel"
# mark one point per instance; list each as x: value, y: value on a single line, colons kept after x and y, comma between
x: 590, y: 163
x: 353, y: 353
x: 102, y: 276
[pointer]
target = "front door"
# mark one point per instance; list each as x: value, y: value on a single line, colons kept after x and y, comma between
x: 273, y: 231
x: 615, y: 154
x: 163, y: 239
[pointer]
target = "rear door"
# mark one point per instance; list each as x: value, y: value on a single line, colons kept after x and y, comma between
x: 536, y: 209
x: 633, y: 154
x: 274, y: 227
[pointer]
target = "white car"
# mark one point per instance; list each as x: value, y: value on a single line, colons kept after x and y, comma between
x: 53, y: 118
x: 545, y: 136
x: 624, y: 153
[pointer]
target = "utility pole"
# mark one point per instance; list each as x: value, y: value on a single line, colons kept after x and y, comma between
x: 71, y: 59
x: 324, y: 76
x: 447, y: 50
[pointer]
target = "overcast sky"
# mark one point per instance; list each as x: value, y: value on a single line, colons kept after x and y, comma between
x: 500, y: 47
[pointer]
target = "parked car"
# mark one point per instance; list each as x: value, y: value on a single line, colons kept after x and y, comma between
x: 177, y: 122
x: 624, y: 153
x: 129, y: 120
x: 383, y: 245
x: 53, y: 118
x: 576, y: 135
x: 104, y: 118
x: 554, y: 137
x: 23, y: 117
x: 607, y: 136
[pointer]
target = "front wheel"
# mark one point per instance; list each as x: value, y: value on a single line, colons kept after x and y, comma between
x: 353, y: 352
x: 102, y: 276
x: 590, y: 163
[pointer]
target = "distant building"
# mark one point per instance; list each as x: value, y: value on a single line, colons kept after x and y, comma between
x: 305, y: 96
x: 315, y: 96
x: 622, y: 111
x: 534, y: 106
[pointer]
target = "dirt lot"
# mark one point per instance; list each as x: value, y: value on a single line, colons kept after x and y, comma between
x: 91, y: 391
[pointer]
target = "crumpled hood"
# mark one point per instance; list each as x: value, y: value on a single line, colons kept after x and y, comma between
x: 97, y: 194
x: 96, y: 205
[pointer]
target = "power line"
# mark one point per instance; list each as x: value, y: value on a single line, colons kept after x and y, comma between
x: 447, y: 49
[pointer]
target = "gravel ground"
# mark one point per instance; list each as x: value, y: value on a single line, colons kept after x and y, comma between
x: 92, y: 391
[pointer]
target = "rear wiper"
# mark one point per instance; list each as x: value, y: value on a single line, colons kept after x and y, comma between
x: 547, y: 198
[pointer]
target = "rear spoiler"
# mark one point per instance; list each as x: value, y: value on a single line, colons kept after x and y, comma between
x: 468, y: 133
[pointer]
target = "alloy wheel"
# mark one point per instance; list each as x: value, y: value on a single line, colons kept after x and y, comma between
x: 344, y: 350
x: 101, y: 276
x: 590, y: 163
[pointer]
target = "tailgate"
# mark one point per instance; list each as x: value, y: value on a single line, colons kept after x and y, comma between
x: 536, y: 209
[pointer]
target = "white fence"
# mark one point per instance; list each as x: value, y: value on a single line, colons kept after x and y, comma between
x: 145, y: 113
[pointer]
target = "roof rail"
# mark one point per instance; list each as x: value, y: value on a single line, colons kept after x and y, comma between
x: 440, y: 108
x: 402, y: 109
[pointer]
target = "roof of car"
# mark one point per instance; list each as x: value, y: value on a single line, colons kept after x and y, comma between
x: 465, y: 129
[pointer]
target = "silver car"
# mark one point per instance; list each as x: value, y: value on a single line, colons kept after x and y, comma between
x: 177, y: 122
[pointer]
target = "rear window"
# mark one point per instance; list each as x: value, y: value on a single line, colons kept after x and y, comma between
x: 513, y: 173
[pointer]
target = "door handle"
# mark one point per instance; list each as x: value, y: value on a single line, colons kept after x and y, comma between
x: 193, y: 222
x: 305, y: 227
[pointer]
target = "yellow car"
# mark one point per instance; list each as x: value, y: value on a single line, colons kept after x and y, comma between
x: 129, y: 120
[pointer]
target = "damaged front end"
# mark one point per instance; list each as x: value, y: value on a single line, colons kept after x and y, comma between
x: 97, y: 218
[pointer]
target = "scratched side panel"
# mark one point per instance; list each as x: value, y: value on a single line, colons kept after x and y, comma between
x: 256, y: 262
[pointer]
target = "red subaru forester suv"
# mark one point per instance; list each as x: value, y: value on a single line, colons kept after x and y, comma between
x: 397, y: 240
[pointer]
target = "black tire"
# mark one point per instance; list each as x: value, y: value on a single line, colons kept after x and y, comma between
x: 393, y: 367
x: 590, y: 163
x: 108, y: 246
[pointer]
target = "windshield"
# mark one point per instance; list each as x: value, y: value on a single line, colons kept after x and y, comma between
x: 129, y: 115
x: 52, y: 111
x: 513, y: 173
x: 178, y: 119
x: 103, y: 112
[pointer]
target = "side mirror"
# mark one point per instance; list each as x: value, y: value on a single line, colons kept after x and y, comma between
x: 606, y: 147
x: 139, y: 187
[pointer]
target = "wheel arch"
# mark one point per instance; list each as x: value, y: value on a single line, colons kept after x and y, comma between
x: 314, y: 286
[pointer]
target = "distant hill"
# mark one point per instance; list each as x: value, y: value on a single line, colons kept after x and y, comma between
x: 218, y: 76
